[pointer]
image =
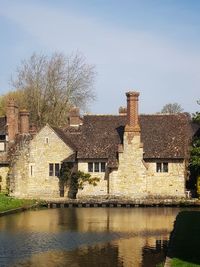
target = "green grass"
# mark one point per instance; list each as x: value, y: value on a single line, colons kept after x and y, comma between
x: 9, y: 203
x: 177, y: 262
x: 160, y: 264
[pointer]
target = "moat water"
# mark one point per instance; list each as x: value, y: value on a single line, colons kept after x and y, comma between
x: 76, y: 237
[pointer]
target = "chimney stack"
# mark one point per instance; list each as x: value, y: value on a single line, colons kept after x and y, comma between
x: 12, y: 115
x: 24, y: 121
x: 74, y: 117
x: 132, y: 112
x: 123, y: 111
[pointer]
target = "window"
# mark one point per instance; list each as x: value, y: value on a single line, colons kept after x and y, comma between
x: 103, y: 166
x: 57, y: 169
x: 90, y: 167
x: 31, y: 170
x: 46, y: 140
x: 162, y: 167
x: 96, y: 166
x: 165, y: 167
x: 51, y: 169
x: 2, y: 146
x: 2, y: 137
x: 54, y: 169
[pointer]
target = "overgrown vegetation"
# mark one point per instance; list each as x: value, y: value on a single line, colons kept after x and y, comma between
x: 9, y: 203
x: 75, y: 179
x: 194, y: 165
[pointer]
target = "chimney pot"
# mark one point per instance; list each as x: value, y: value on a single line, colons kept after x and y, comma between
x: 123, y: 111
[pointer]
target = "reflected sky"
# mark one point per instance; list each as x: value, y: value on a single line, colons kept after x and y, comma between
x: 86, y: 237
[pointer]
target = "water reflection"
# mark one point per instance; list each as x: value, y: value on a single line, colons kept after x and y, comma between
x: 86, y: 237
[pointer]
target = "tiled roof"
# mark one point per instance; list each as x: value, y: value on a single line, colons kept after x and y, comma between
x: 166, y: 136
x: 163, y: 136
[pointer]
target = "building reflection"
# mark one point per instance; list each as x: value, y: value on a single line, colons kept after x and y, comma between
x: 125, y: 237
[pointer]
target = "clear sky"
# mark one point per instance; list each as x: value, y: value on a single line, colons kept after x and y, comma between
x: 152, y: 46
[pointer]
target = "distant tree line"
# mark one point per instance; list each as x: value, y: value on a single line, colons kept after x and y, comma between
x: 172, y: 108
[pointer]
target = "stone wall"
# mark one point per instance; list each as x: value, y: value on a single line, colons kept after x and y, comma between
x: 30, y: 172
x: 130, y: 178
x: 171, y: 183
x: 3, y: 177
x: 101, y: 189
x: 135, y: 178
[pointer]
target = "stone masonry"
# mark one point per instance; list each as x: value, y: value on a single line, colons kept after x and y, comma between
x: 30, y: 171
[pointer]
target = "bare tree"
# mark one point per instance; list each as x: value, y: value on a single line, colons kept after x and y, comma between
x: 49, y: 86
x: 172, y: 108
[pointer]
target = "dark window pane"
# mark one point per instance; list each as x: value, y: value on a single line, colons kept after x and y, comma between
x: 31, y: 170
x: 165, y: 167
x: 103, y: 166
x: 2, y: 137
x: 96, y: 166
x: 90, y: 166
x: 57, y: 169
x: 158, y: 167
x: 51, y: 172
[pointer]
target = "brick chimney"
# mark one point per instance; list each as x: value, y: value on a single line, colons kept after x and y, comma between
x: 12, y: 115
x: 24, y: 121
x: 132, y: 124
x: 74, y: 117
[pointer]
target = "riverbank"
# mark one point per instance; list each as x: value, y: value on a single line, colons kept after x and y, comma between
x: 9, y: 204
x: 184, y: 240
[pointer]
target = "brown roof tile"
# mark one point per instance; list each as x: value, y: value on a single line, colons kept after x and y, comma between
x: 163, y: 136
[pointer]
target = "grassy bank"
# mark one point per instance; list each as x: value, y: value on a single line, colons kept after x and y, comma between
x: 9, y: 203
x: 184, y: 244
x: 181, y: 263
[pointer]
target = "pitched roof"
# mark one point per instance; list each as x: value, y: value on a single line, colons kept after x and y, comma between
x: 63, y: 136
x: 166, y: 136
x: 163, y: 136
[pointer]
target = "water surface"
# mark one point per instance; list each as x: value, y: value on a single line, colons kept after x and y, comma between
x: 86, y: 237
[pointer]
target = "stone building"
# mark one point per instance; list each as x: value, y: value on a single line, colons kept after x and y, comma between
x: 134, y: 156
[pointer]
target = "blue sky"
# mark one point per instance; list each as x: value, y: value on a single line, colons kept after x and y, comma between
x: 149, y: 46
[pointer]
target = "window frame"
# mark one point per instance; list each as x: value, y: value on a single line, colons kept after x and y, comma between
x: 57, y: 169
x: 162, y: 167
x: 53, y: 170
x: 90, y: 167
x: 31, y: 170
x: 97, y: 167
